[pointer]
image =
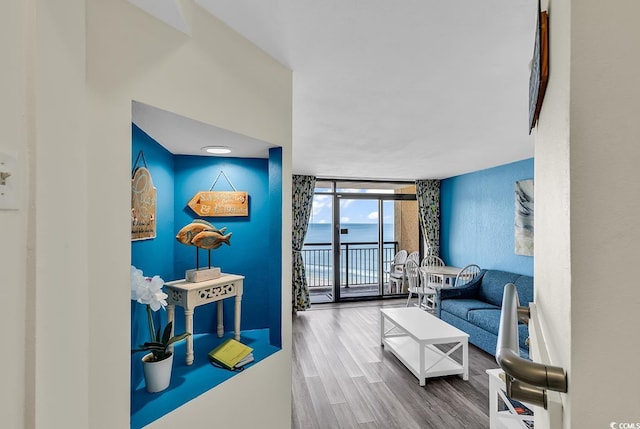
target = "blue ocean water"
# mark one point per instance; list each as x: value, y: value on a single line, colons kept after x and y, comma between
x: 357, y: 232
x: 359, y: 264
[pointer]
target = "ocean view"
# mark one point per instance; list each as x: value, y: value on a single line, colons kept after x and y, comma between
x: 362, y: 259
x: 358, y: 232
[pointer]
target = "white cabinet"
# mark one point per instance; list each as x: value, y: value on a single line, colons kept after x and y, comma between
x: 505, y: 413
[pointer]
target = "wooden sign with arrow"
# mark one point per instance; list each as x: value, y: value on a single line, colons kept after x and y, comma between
x: 220, y: 203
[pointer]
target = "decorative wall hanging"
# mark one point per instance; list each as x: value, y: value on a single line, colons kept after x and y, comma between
x: 539, y: 67
x: 143, y: 202
x: 220, y: 203
x: 203, y: 235
x: 524, y: 218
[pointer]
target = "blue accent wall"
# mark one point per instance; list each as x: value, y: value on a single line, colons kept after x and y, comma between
x: 256, y: 243
x: 151, y: 255
x: 477, y: 218
x: 250, y: 253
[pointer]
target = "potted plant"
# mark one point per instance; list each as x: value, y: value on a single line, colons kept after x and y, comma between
x: 158, y: 362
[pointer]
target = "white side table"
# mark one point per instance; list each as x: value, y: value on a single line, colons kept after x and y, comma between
x: 191, y: 295
x: 508, y: 418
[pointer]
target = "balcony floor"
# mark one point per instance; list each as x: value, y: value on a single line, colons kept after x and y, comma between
x: 324, y: 294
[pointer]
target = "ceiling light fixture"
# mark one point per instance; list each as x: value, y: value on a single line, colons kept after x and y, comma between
x: 216, y: 149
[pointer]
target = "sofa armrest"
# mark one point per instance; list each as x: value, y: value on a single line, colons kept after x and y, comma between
x: 468, y: 291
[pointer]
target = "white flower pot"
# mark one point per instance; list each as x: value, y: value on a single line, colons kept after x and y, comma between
x: 157, y: 375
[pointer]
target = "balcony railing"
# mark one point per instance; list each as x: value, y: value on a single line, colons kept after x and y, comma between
x: 358, y: 263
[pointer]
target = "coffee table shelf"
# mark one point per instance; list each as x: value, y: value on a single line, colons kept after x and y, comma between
x: 411, y: 334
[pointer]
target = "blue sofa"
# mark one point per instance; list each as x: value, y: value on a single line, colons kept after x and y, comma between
x: 475, y: 307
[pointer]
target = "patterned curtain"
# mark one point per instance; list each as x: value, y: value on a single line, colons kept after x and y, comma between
x: 428, y: 195
x: 303, y: 187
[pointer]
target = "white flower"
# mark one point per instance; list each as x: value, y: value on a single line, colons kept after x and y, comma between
x: 147, y: 290
x: 137, y: 283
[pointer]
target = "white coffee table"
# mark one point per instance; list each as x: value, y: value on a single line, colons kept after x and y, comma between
x: 411, y: 335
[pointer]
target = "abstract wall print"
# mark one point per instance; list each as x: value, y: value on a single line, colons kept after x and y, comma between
x: 524, y: 217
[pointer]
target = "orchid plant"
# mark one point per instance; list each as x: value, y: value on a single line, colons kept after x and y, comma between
x: 148, y: 291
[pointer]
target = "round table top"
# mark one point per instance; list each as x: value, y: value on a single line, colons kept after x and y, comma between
x: 441, y: 271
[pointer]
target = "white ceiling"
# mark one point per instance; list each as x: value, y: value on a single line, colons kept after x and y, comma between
x: 184, y: 136
x: 397, y: 89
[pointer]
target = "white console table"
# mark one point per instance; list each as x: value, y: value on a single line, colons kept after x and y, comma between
x: 191, y: 295
x: 412, y: 334
x: 502, y: 413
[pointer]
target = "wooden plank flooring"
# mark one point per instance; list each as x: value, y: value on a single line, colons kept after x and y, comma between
x: 343, y: 378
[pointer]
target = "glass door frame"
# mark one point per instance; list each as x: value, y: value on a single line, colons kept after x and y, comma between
x: 337, y: 245
x: 336, y: 242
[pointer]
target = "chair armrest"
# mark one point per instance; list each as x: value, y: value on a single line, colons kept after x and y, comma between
x: 468, y: 291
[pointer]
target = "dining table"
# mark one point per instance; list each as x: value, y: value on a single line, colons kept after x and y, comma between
x: 445, y: 273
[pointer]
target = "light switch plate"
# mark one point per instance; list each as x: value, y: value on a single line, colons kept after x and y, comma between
x: 10, y: 189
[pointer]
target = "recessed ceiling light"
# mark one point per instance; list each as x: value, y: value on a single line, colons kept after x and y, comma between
x: 216, y: 149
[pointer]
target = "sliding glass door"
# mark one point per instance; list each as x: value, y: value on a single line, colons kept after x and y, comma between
x: 359, y: 247
x: 357, y: 227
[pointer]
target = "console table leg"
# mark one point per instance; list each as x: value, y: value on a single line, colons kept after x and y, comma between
x: 171, y: 318
x: 236, y: 317
x: 188, y: 323
x: 220, y: 320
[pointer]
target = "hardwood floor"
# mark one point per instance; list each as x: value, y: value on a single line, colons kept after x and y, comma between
x: 343, y: 378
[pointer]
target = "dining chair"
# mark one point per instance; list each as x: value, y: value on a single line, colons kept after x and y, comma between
x: 396, y: 271
x: 431, y: 281
x: 467, y: 274
x: 432, y: 261
x: 412, y: 271
x: 415, y: 257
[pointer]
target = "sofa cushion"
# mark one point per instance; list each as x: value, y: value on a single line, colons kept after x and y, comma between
x: 489, y: 320
x: 462, y: 307
x: 492, y: 286
x: 523, y: 335
x: 524, y: 286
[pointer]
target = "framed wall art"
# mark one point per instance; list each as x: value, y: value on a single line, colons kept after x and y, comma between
x: 539, y: 67
x: 523, y: 237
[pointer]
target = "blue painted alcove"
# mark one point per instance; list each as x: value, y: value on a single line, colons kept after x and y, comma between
x: 255, y: 253
x: 477, y: 218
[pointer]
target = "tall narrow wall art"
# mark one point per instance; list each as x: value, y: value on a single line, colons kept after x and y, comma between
x: 524, y: 217
x: 143, y: 205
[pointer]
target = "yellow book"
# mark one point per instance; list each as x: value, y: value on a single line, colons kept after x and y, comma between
x: 229, y: 353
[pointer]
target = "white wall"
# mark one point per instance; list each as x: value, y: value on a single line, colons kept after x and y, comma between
x: 605, y: 202
x: 552, y: 257
x: 14, y: 117
x: 587, y: 188
x: 59, y: 263
x: 69, y: 266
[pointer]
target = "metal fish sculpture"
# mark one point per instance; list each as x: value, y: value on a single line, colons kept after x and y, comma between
x: 210, y: 240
